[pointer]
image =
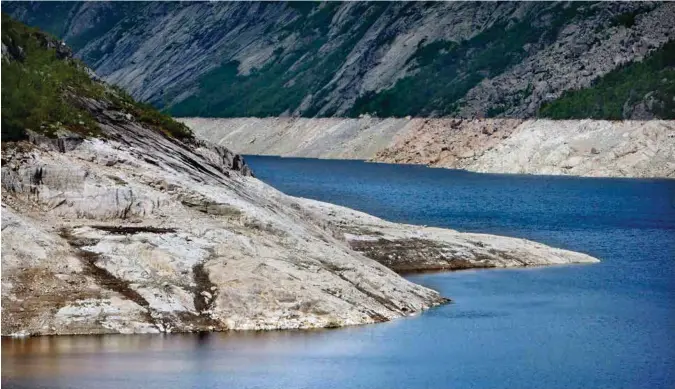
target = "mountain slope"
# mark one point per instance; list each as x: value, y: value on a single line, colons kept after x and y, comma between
x: 459, y: 59
x: 127, y: 223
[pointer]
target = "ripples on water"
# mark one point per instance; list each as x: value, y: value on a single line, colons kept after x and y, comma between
x: 606, y: 325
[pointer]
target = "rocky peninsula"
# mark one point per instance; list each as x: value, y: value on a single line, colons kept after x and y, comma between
x: 138, y: 233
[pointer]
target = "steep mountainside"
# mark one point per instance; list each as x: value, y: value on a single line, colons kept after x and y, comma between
x: 461, y: 59
x: 116, y: 219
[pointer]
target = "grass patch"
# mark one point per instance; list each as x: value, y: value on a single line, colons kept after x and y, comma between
x: 625, y: 19
x: 148, y: 115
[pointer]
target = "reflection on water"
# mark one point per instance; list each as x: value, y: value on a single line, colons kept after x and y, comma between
x: 51, y: 356
x: 203, y: 360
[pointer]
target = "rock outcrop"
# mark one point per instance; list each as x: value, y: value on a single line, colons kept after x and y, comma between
x: 408, y: 248
x: 142, y: 234
x: 300, y: 137
x: 568, y: 147
x: 138, y: 233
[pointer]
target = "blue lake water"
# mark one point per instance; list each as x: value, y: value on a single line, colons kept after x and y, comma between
x: 607, y: 325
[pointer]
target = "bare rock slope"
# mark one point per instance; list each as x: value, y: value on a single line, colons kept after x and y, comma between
x: 142, y: 233
x: 139, y: 234
x: 338, y: 138
x: 568, y: 147
x: 409, y: 248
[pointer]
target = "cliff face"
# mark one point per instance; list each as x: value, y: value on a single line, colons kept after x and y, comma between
x: 116, y: 219
x: 461, y: 59
x: 561, y: 147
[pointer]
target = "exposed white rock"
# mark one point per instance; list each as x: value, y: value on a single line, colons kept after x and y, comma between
x: 570, y: 147
x: 173, y: 237
x: 270, y: 268
x: 585, y: 148
x: 315, y: 138
x: 419, y: 248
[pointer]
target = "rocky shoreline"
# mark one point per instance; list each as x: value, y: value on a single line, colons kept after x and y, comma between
x: 140, y: 233
x: 594, y: 148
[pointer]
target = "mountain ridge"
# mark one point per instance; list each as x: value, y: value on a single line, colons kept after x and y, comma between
x: 346, y: 59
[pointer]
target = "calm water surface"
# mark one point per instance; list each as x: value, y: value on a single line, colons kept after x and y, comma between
x: 610, y: 325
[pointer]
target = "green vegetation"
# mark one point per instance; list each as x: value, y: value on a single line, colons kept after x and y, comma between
x: 442, y: 71
x: 427, y: 53
x: 285, y: 80
x: 446, y: 71
x: 50, y: 18
x: 117, y: 16
x: 41, y: 85
x: 625, y: 19
x: 627, y: 85
x: 35, y: 83
x: 147, y: 114
x: 303, y: 7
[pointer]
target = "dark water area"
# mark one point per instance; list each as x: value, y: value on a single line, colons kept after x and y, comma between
x: 606, y: 325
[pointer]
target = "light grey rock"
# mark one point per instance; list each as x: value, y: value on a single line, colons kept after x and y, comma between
x: 585, y: 148
x: 137, y: 231
x: 571, y: 147
x: 136, y: 259
x: 556, y: 68
x: 317, y: 138
x: 133, y: 247
x: 409, y: 248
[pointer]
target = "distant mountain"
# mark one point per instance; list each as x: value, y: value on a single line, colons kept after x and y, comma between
x: 462, y: 59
